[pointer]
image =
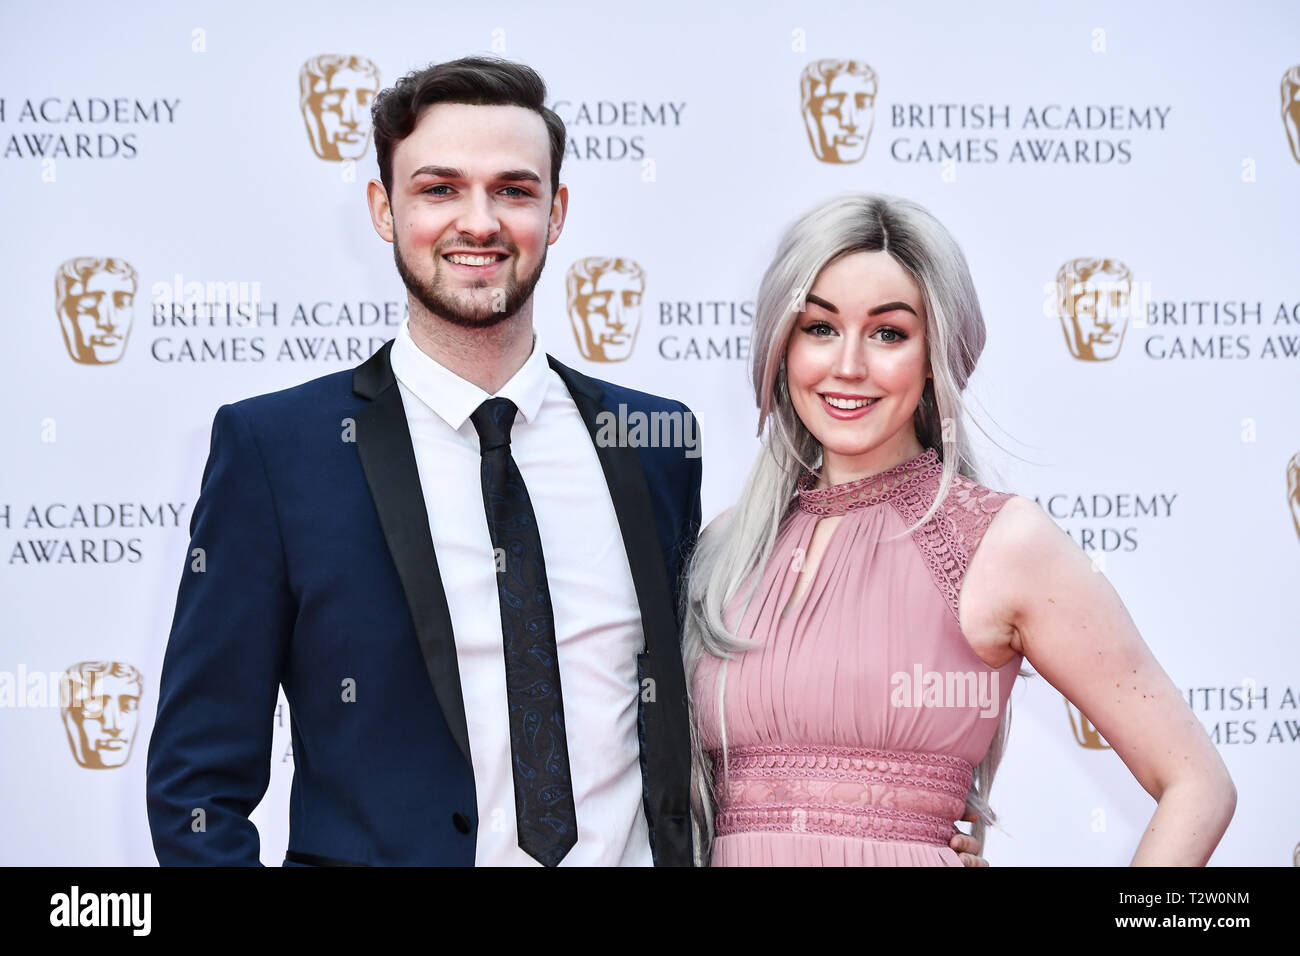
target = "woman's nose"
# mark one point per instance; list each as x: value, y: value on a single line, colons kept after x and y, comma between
x: 851, y: 362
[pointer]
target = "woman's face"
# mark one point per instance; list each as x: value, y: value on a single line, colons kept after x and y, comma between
x: 857, y: 363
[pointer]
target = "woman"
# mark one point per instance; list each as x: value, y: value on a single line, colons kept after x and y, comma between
x: 856, y: 622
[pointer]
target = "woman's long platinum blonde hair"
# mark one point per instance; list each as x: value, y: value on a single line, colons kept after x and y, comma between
x: 741, y: 542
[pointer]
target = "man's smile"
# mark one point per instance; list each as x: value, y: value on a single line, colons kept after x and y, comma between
x: 475, y: 263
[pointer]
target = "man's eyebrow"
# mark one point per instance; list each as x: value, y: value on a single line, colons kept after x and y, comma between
x: 443, y: 172
x: 519, y: 175
x: 451, y: 172
x: 878, y: 310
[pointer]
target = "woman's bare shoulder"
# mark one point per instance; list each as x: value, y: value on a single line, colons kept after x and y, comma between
x: 1022, y: 531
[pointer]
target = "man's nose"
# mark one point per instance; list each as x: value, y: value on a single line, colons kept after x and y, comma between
x: 112, y: 719
x: 477, y: 217
x: 106, y: 317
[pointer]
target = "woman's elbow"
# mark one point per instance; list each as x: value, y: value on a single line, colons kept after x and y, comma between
x: 1227, y: 798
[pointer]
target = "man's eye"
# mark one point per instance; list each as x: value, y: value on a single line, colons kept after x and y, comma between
x: 431, y: 189
x: 515, y: 191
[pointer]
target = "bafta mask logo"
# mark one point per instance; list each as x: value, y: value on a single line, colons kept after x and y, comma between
x: 335, y: 93
x: 1291, y: 109
x: 1085, y: 734
x: 1293, y: 490
x: 1093, y: 297
x: 603, y: 296
x: 838, y: 102
x: 100, y: 704
x: 95, y: 302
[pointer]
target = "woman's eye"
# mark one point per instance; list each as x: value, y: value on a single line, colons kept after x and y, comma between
x: 820, y: 329
x: 891, y: 335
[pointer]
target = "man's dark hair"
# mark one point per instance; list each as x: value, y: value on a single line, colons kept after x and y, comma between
x: 476, y: 80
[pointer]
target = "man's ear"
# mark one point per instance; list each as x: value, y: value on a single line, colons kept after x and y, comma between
x: 559, y: 210
x: 381, y: 212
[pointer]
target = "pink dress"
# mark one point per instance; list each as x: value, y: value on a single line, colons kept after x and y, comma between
x: 853, y: 730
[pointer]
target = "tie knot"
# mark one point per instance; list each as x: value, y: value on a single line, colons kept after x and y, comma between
x: 492, y: 421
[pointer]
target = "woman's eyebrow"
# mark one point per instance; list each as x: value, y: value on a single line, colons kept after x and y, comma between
x: 878, y: 310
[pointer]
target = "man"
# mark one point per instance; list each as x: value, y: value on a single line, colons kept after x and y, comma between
x: 468, y: 598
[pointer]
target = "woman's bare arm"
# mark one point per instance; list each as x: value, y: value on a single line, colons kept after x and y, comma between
x: 1061, y: 613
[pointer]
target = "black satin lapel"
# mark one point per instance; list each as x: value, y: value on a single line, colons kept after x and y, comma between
x: 388, y: 460
x: 374, y: 374
x: 636, y: 518
x: 666, y: 720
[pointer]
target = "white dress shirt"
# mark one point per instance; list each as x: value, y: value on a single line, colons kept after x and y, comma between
x: 598, y: 630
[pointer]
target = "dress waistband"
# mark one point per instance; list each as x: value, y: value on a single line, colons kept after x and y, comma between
x: 841, y: 791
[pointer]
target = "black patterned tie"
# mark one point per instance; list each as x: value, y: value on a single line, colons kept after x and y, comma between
x: 544, y: 810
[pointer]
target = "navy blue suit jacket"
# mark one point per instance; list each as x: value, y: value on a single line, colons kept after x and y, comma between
x: 317, y: 568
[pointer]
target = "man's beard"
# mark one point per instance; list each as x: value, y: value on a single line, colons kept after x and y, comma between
x: 453, y: 309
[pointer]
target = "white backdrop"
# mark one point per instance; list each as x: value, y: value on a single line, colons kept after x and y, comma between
x: 171, y: 138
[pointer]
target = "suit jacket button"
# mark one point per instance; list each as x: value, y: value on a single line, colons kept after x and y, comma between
x: 461, y: 822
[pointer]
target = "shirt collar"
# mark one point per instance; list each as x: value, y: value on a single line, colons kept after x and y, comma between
x: 454, y: 399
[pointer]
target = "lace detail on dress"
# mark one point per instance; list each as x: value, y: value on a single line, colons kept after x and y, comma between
x: 842, y: 791
x: 953, y: 533
x: 873, y: 489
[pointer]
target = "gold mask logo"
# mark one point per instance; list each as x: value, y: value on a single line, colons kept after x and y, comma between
x: 1085, y: 734
x: 1293, y: 490
x: 1291, y: 109
x: 603, y: 298
x: 334, y: 93
x: 1093, y: 299
x: 838, y: 102
x: 95, y: 302
x: 100, y: 702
